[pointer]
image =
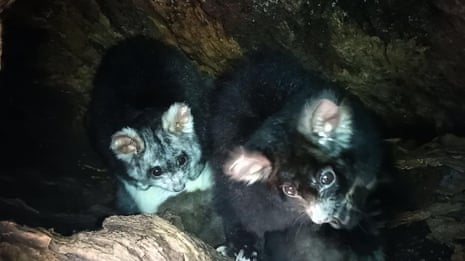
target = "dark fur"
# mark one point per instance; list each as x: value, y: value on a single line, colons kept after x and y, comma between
x: 258, y: 106
x: 322, y: 243
x: 137, y: 80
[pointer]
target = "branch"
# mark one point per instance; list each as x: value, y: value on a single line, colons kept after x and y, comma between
x: 141, y: 237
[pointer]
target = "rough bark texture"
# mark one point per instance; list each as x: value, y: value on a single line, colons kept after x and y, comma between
x: 404, y: 59
x: 434, y: 229
x: 122, y: 238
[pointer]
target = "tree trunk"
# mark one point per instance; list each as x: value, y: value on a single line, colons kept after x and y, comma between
x: 404, y: 59
x: 141, y: 237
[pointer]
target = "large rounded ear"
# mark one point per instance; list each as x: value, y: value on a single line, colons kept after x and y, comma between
x: 126, y: 143
x: 178, y: 119
x: 248, y: 167
x: 326, y: 124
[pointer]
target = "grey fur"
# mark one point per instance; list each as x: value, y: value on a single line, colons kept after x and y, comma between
x: 146, y: 96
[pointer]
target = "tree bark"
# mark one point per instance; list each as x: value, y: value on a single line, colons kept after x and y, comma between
x: 403, y: 59
x: 141, y: 237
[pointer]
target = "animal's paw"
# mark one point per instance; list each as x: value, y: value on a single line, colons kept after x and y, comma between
x: 244, y: 254
x: 222, y: 250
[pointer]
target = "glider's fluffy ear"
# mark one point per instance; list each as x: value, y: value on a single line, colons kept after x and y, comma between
x: 126, y: 143
x: 178, y: 119
x: 326, y: 124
